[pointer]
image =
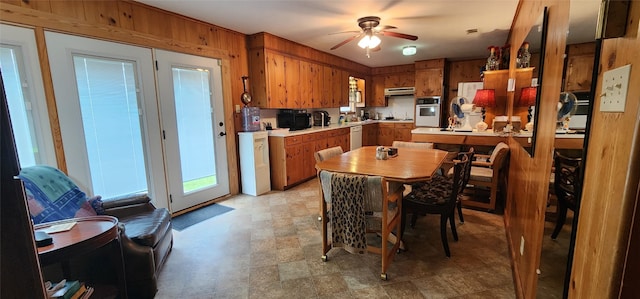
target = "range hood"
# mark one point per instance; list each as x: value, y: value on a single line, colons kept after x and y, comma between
x: 399, y: 91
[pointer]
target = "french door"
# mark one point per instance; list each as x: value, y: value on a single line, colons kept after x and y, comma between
x: 191, y: 103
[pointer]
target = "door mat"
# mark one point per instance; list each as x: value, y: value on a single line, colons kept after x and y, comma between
x: 196, y: 216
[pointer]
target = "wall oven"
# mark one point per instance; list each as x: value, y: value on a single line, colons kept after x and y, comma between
x: 428, y: 112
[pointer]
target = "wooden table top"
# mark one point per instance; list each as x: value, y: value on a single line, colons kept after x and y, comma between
x: 88, y: 234
x: 410, y: 165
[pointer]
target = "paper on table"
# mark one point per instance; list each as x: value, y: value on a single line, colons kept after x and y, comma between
x: 63, y: 227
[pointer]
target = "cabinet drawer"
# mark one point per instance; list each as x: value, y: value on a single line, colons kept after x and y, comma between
x: 292, y: 140
x: 310, y: 137
x: 404, y: 126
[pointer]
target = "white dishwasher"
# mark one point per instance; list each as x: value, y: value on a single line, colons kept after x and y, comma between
x: 356, y: 137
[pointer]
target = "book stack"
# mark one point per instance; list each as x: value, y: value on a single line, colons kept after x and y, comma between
x: 72, y: 290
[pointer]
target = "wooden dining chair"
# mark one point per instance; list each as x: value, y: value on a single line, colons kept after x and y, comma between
x: 488, y: 171
x: 567, y: 187
x: 438, y: 197
x: 406, y: 144
x: 325, y: 154
x: 360, y: 204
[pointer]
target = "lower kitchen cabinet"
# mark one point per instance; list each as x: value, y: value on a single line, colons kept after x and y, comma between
x: 388, y: 132
x: 370, y: 134
x: 292, y: 158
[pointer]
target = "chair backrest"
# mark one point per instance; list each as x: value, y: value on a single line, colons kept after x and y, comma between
x: 466, y: 174
x: 461, y: 166
x: 567, y: 182
x: 499, y: 147
x: 405, y: 144
x: 327, y: 153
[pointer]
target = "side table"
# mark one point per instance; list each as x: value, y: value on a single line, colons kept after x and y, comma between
x: 89, y: 234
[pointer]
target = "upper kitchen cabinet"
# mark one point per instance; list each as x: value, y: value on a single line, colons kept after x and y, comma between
x: 293, y: 84
x: 377, y: 98
x: 579, y: 67
x: 429, y: 77
x: 402, y: 79
x: 284, y: 74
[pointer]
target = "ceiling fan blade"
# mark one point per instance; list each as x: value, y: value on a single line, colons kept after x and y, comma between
x: 385, y: 27
x: 400, y: 35
x: 345, y: 41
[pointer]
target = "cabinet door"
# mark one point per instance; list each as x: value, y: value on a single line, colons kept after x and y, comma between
x: 294, y: 161
x: 579, y: 69
x: 306, y: 85
x: 403, y: 132
x: 386, y: 134
x: 343, y: 87
x: 377, y: 98
x: 337, y: 87
x: 292, y: 76
x: 428, y: 82
x: 327, y: 87
x: 276, y: 86
x: 403, y: 79
x: 317, y: 82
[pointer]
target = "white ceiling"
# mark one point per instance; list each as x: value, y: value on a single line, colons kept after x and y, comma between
x: 439, y: 24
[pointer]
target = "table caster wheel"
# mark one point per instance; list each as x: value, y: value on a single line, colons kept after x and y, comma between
x: 324, y: 258
x: 383, y: 276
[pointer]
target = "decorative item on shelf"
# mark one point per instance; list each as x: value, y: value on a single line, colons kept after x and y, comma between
x: 250, y: 115
x: 504, y: 58
x: 524, y: 57
x: 528, y: 99
x: 484, y: 98
x: 493, y: 63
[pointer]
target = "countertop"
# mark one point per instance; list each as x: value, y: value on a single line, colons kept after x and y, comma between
x: 438, y: 131
x: 314, y: 129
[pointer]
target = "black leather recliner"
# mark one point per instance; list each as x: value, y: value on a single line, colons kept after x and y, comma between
x: 146, y: 237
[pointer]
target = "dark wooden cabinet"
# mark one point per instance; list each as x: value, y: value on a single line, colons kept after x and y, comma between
x: 369, y: 134
x: 429, y: 77
x: 578, y: 74
x: 377, y: 98
x: 403, y: 132
x: 386, y: 133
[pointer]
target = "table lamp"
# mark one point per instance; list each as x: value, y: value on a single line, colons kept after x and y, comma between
x: 528, y: 99
x: 484, y: 98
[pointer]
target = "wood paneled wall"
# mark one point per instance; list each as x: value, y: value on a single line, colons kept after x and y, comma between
x: 611, y: 178
x: 138, y: 24
x: 529, y: 177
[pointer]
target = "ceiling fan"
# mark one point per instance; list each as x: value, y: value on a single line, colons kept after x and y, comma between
x: 370, y: 41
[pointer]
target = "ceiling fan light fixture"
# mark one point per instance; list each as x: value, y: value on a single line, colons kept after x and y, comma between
x: 409, y: 50
x: 369, y: 42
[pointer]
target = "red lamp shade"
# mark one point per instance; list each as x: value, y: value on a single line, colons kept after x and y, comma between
x: 527, y: 97
x: 485, y: 98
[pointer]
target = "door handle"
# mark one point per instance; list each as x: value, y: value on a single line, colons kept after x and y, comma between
x: 222, y: 134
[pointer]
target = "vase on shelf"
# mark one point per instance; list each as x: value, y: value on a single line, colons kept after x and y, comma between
x: 524, y: 56
x: 493, y: 63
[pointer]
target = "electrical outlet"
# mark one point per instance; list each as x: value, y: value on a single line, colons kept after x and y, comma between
x: 521, y: 245
x: 614, y: 89
x: 237, y: 108
x: 511, y: 84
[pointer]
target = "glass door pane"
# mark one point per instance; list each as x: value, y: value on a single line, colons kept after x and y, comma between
x: 195, y: 130
x: 111, y: 117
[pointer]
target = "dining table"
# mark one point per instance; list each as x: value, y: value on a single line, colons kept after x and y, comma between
x: 409, y: 165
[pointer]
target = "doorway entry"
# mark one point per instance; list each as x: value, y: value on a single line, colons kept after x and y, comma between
x: 190, y: 92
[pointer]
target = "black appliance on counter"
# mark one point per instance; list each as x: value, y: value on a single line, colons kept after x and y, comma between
x: 294, y: 119
x: 319, y: 117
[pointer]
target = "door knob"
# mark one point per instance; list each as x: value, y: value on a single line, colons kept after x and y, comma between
x: 222, y: 134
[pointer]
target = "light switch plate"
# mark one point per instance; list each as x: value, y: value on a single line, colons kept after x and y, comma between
x: 511, y: 84
x: 614, y: 89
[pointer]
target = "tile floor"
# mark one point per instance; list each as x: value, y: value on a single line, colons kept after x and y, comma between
x: 270, y: 247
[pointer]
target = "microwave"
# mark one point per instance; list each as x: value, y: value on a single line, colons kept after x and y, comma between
x: 294, y: 119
